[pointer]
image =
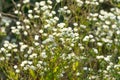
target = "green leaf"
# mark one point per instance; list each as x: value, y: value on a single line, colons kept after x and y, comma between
x: 32, y: 73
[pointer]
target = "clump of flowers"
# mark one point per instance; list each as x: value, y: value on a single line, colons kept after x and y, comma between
x: 62, y: 40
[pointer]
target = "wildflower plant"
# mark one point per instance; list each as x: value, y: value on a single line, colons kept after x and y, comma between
x: 62, y: 39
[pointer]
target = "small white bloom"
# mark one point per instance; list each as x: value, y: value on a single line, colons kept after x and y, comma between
x: 18, y: 23
x: 26, y: 1
x: 58, y: 1
x: 114, y: 26
x: 36, y: 37
x: 107, y: 22
x: 68, y: 11
x: 18, y: 5
x: 43, y: 54
x: 72, y: 45
x: 17, y: 70
x: 27, y: 27
x: 37, y: 44
x: 100, y: 57
x: 16, y: 11
x: 25, y: 33
x: 95, y: 50
x: 83, y: 26
x: 30, y: 16
x: 26, y: 21
x: 36, y: 16
x: 65, y: 7
x: 56, y: 18
x: 85, y: 68
x: 105, y: 26
x: 99, y: 44
x: 30, y: 11
x: 90, y: 36
x: 41, y: 31
x: 15, y: 66
x: 49, y: 1
x: 77, y: 74
x: 101, y: 1
x: 75, y: 24
x: 86, y: 38
x: 118, y: 32
x: 7, y: 24
x: 42, y: 3
x: 2, y: 58
x: 61, y: 25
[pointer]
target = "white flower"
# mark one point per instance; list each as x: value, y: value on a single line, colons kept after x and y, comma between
x: 119, y: 57
x: 34, y: 55
x: 114, y: 26
x: 2, y: 58
x: 33, y: 67
x: 108, y: 67
x: 25, y: 33
x: 107, y: 22
x: 26, y: 1
x: 30, y: 16
x: 75, y: 24
x: 42, y: 3
x: 27, y: 27
x: 85, y: 68
x: 3, y: 49
x: 41, y: 31
x: 95, y: 50
x: 101, y: 1
x: 61, y: 25
x: 100, y: 57
x: 65, y: 7
x: 83, y: 26
x: 16, y: 11
x: 7, y: 24
x: 30, y: 11
x: 17, y: 70
x: 18, y: 5
x: 118, y: 32
x: 15, y: 66
x: 75, y: 29
x: 30, y: 62
x: 86, y: 38
x: 36, y: 43
x: 23, y: 47
x: 26, y: 21
x: 87, y: 2
x: 36, y: 37
x: 5, y: 44
x: 77, y: 74
x: 99, y: 44
x: 117, y: 66
x: 90, y: 36
x: 68, y: 11
x: 8, y: 55
x: 43, y: 54
x: 56, y: 18
x: 36, y: 16
x: 58, y: 1
x: 105, y: 26
x: 72, y: 44
x: 49, y: 1
x: 92, y: 40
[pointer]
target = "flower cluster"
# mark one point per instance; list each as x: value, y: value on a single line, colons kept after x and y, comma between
x: 60, y: 40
